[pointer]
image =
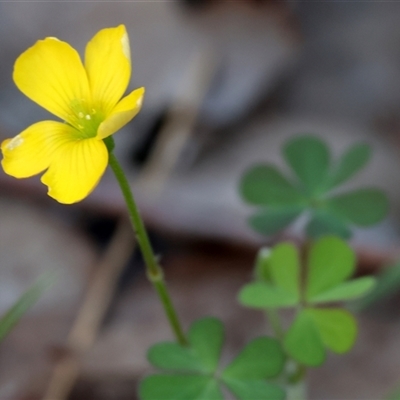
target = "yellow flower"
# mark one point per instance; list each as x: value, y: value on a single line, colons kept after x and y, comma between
x: 86, y: 97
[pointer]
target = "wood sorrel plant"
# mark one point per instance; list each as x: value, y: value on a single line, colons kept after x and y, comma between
x: 311, y: 282
x: 73, y: 155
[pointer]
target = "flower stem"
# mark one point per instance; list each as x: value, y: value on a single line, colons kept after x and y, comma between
x: 154, y: 271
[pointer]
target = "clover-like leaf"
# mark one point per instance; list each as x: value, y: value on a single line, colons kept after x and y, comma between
x: 283, y: 201
x: 363, y: 207
x: 245, y: 375
x: 330, y: 262
x: 349, y: 164
x: 303, y: 341
x: 265, y: 185
x: 273, y: 219
x: 191, y: 371
x: 179, y: 387
x: 309, y: 158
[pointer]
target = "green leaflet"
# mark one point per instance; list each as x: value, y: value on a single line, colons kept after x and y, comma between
x: 330, y: 262
x: 309, y: 158
x: 265, y: 185
x: 351, y: 162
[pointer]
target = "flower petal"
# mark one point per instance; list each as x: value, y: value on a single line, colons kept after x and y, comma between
x: 122, y: 113
x: 31, y: 152
x: 108, y: 64
x: 76, y: 170
x: 51, y: 74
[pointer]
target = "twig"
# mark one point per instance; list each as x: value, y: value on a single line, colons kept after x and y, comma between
x: 91, y: 314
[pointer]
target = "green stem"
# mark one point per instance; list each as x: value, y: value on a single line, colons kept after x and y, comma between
x: 294, y: 380
x: 296, y: 388
x: 154, y: 271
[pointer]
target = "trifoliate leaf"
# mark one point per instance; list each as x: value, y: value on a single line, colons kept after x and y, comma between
x: 323, y: 223
x: 194, y: 374
x: 330, y: 262
x: 179, y: 387
x: 349, y: 164
x: 337, y: 327
x: 363, y: 207
x: 309, y: 158
x: 264, y: 295
x: 261, y: 358
x: 265, y: 185
x: 303, y: 341
x: 285, y: 268
x: 345, y: 291
x: 274, y: 219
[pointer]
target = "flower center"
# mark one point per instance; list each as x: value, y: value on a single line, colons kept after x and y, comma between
x: 85, y: 118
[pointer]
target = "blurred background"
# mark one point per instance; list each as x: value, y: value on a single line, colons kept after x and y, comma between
x: 227, y: 83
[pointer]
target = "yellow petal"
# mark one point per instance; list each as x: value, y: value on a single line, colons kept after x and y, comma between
x: 108, y: 64
x: 122, y: 113
x: 51, y: 74
x: 31, y: 152
x: 76, y: 169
